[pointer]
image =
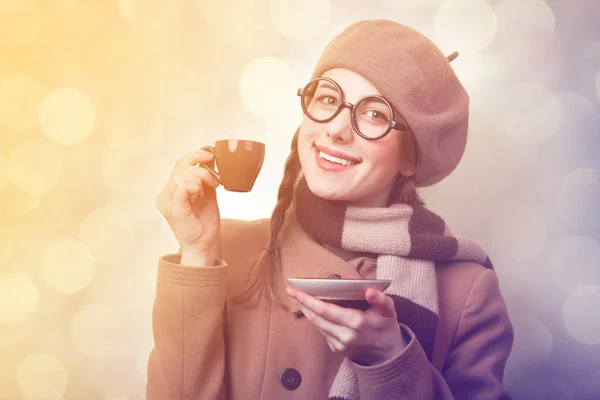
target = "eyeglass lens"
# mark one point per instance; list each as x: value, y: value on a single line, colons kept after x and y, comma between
x: 372, y: 116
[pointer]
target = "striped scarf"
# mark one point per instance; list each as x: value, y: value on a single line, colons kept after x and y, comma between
x: 408, y: 240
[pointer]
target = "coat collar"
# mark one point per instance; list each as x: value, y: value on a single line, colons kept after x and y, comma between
x: 301, y: 256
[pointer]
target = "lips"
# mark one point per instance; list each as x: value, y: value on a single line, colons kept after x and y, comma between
x: 338, y: 154
x: 330, y: 166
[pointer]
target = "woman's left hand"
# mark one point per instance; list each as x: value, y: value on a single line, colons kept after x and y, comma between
x: 366, y: 337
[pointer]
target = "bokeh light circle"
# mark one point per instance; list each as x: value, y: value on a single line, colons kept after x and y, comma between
x: 133, y: 129
x: 96, y: 331
x: 576, y: 262
x: 67, y: 265
x: 530, y: 113
x: 464, y: 25
x: 16, y: 203
x: 127, y: 8
x: 581, y: 315
x: 525, y: 21
x: 42, y: 377
x: 300, y: 20
x: 67, y: 116
x: 519, y: 231
x: 18, y: 298
x: 266, y: 86
x: 20, y: 99
x: 27, y: 242
x: 579, y: 198
x: 108, y: 234
x: 35, y: 166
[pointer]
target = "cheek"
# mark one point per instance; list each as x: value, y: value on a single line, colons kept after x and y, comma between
x: 304, y: 150
x: 384, y: 159
x: 304, y: 142
x: 309, y: 132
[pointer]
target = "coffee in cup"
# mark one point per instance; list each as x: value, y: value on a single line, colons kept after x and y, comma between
x: 238, y: 163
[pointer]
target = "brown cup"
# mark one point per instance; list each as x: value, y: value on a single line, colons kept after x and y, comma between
x: 238, y: 163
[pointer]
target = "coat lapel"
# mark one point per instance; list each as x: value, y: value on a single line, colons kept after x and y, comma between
x: 303, y: 257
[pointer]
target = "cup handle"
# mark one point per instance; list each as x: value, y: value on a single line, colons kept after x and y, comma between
x: 210, y: 149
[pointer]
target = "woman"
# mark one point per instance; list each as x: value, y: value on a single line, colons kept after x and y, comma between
x: 384, y: 113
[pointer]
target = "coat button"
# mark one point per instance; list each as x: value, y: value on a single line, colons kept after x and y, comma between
x: 290, y: 379
x: 334, y: 276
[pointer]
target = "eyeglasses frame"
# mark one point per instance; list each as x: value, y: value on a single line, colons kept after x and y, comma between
x: 397, y: 125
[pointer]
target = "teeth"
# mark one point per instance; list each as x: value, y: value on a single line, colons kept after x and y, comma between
x: 335, y: 159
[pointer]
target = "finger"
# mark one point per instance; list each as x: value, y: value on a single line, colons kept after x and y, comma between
x: 191, y: 187
x: 195, y: 157
x: 202, y: 172
x: 339, y: 332
x: 198, y: 194
x: 348, y: 317
x: 199, y: 174
x: 194, y: 189
x: 380, y: 303
x: 334, y: 345
x: 186, y: 189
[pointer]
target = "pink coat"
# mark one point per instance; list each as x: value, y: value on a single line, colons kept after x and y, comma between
x: 207, y: 347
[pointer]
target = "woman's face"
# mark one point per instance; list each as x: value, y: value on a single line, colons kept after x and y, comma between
x: 369, y: 180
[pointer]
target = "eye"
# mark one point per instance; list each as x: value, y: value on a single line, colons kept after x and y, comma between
x: 326, y: 99
x: 377, y: 115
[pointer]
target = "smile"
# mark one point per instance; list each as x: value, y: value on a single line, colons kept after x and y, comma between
x: 333, y: 163
x: 335, y: 159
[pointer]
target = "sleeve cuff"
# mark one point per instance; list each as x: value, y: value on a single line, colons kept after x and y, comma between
x: 172, y: 272
x: 391, y: 370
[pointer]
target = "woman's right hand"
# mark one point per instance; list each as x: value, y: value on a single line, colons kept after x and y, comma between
x: 192, y: 213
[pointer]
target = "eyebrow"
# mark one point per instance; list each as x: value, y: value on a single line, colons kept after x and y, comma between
x: 328, y: 86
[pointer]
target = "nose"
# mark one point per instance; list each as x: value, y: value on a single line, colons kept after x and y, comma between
x: 340, y: 129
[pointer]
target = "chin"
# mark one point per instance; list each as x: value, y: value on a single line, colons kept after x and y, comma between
x: 327, y: 190
x: 343, y: 191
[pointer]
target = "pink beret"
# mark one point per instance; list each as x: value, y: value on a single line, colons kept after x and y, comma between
x: 412, y: 73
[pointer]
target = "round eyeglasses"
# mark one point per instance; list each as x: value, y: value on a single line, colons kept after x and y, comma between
x: 372, y: 117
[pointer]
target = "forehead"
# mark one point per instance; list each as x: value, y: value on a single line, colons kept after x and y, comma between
x: 354, y: 85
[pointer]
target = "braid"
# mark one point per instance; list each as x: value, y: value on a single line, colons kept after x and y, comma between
x: 261, y: 281
x: 405, y: 191
x: 286, y: 191
x: 261, y: 286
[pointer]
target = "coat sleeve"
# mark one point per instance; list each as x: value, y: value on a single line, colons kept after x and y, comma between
x: 474, y: 365
x: 188, y: 358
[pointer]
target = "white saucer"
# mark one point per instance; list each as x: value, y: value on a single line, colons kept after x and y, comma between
x: 338, y: 289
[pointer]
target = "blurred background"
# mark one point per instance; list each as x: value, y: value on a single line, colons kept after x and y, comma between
x: 98, y: 99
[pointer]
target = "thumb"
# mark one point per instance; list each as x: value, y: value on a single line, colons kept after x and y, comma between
x: 380, y: 303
